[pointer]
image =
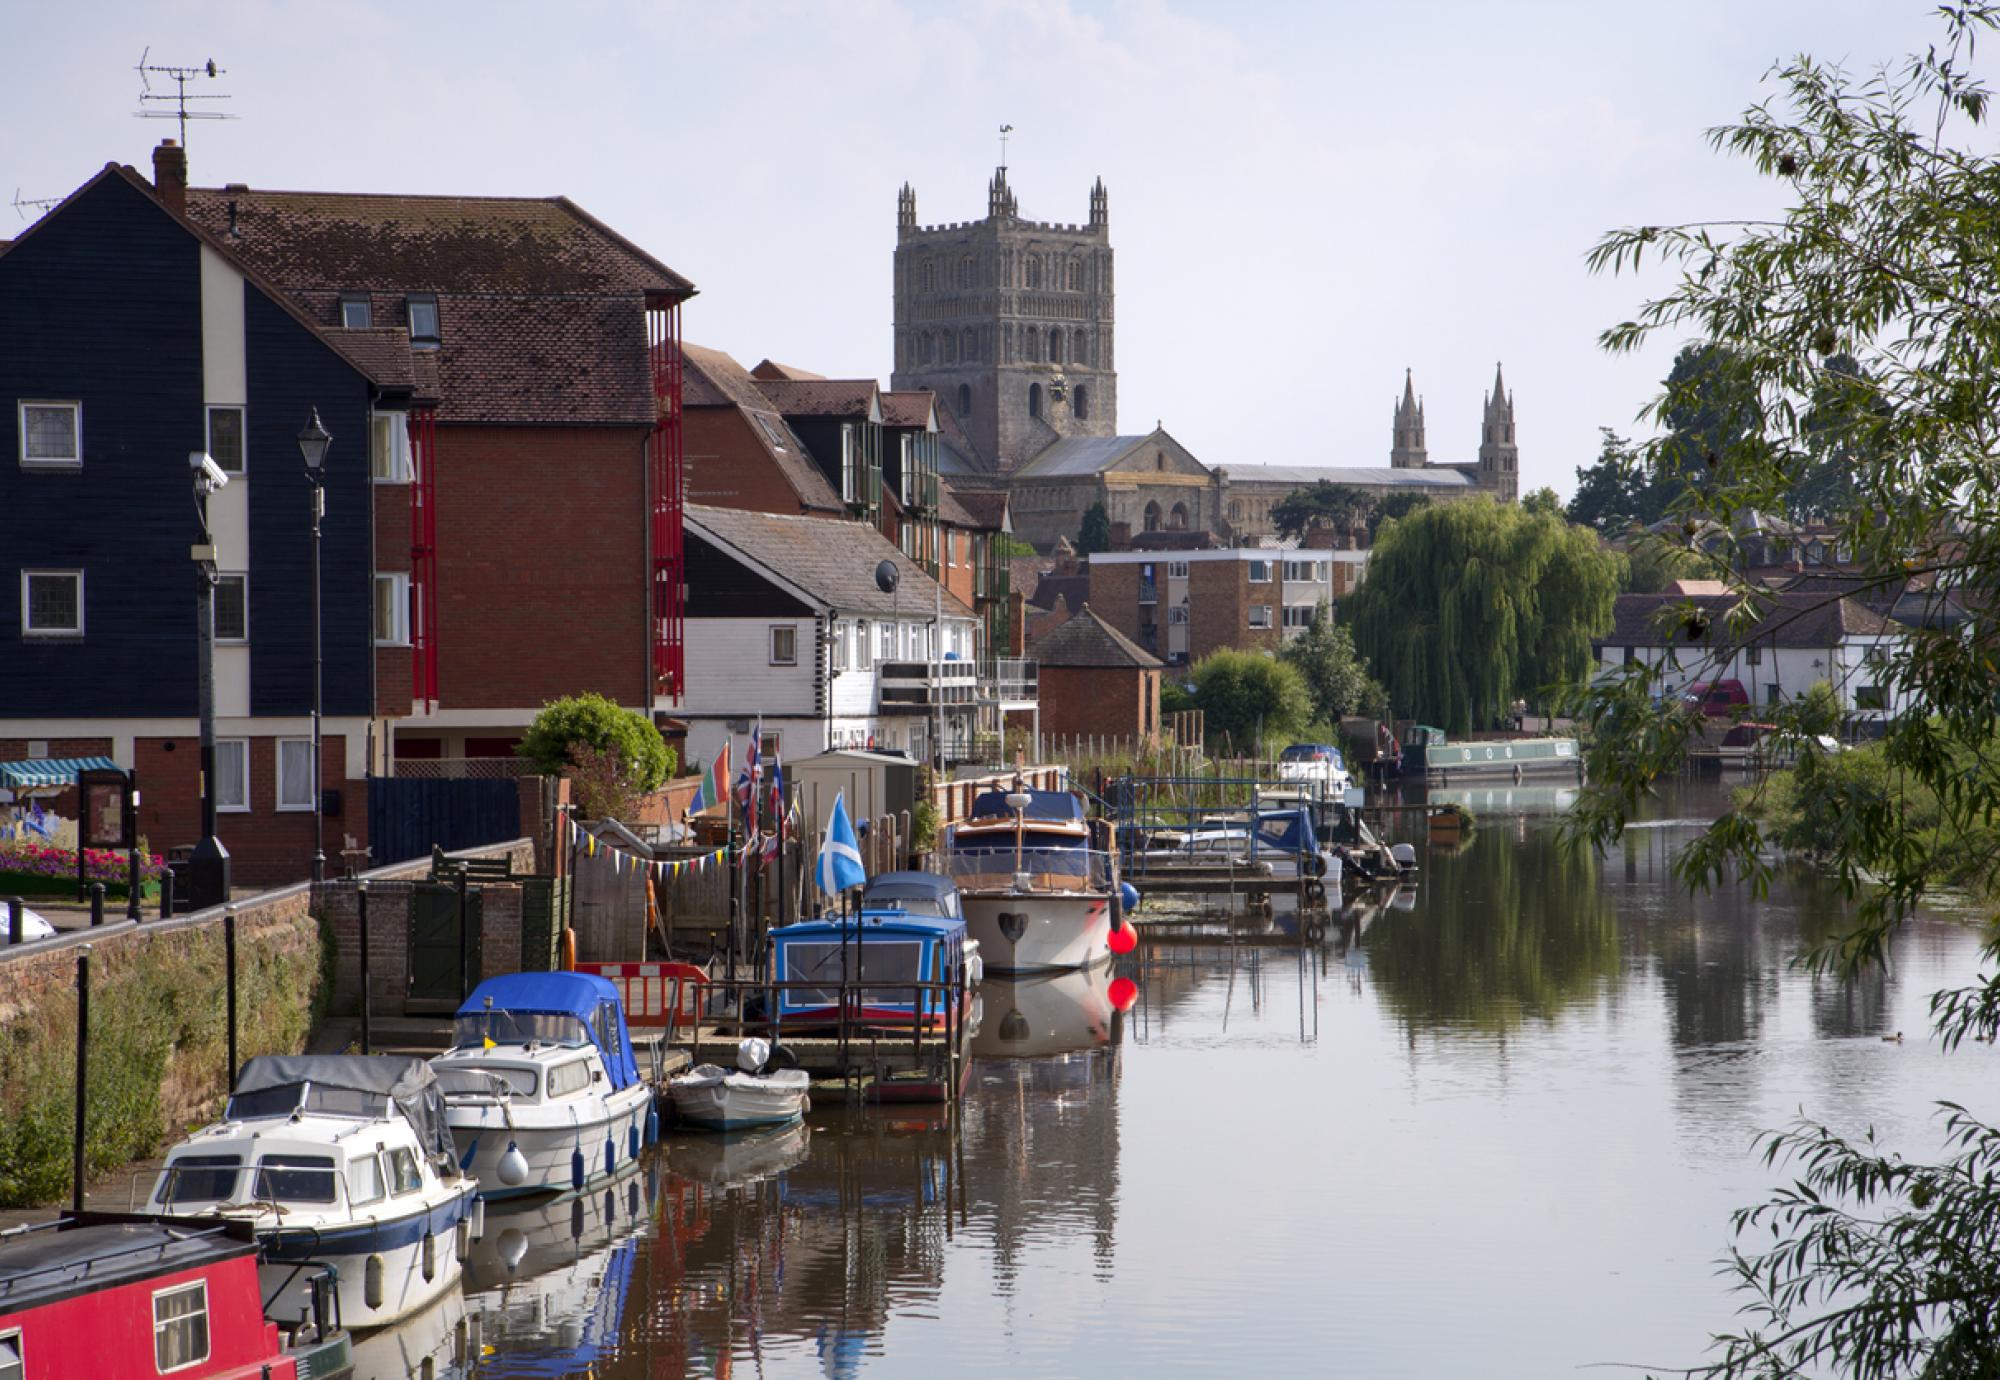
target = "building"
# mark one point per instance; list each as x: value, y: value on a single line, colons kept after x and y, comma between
x: 534, y: 551
x: 788, y: 624
x: 740, y: 450
x: 1149, y: 483
x: 1182, y: 605
x: 1797, y: 640
x: 1097, y: 681
x: 1009, y: 322
x: 131, y: 336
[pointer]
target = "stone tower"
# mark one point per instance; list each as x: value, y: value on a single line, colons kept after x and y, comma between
x: 1009, y: 322
x: 1499, y: 457
x: 1407, y: 452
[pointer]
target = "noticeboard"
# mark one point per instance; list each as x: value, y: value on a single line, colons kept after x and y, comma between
x: 105, y: 817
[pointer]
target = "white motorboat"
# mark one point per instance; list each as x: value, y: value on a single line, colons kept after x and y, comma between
x: 1316, y: 765
x: 339, y: 1160
x: 1037, y: 894
x: 541, y: 1088
x: 718, y: 1099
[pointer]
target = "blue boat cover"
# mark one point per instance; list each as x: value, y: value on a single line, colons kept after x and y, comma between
x: 586, y: 996
x: 1046, y: 805
x: 1287, y: 831
x: 873, y: 921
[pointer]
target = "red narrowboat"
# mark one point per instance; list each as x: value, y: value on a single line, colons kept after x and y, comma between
x: 108, y: 1294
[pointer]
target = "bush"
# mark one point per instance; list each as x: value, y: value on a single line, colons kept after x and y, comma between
x: 594, y: 722
x: 1243, y: 693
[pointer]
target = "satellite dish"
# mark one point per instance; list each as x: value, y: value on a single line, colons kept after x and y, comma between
x: 886, y: 576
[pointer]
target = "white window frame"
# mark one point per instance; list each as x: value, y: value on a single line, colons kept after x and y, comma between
x: 398, y: 469
x: 20, y: 1346
x: 71, y: 634
x: 207, y: 1330
x: 243, y: 580
x: 1177, y: 570
x: 1255, y: 577
x: 424, y: 340
x: 221, y: 805
x: 1265, y: 610
x: 1299, y: 615
x: 791, y: 630
x: 837, y: 652
x: 242, y: 436
x: 399, y: 631
x: 70, y: 462
x: 283, y: 778
x: 365, y: 301
x: 864, y: 647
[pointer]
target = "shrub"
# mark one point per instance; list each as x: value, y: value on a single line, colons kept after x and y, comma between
x: 592, y: 721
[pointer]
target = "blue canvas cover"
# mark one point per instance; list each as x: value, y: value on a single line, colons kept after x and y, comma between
x: 582, y: 995
x: 1286, y: 831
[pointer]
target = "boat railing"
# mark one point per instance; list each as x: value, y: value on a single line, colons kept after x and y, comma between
x: 81, y: 1269
x: 984, y: 867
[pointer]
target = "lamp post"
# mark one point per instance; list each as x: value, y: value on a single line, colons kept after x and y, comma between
x: 313, y: 442
x: 208, y: 867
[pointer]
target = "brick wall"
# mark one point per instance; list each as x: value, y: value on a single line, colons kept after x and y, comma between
x: 1077, y: 700
x: 541, y: 545
x: 267, y: 846
x: 1114, y: 595
x: 728, y: 468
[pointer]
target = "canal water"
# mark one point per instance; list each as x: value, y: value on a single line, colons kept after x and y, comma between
x: 1494, y: 1125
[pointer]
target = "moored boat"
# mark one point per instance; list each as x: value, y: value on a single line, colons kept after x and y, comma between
x: 112, y: 1294
x: 339, y: 1160
x: 740, y: 1099
x: 1037, y: 893
x: 541, y: 1087
x: 898, y: 969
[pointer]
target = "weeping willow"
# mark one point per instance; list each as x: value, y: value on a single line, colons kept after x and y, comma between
x: 1469, y: 606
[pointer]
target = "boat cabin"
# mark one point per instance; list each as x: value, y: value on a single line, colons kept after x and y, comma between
x: 918, y: 893
x: 878, y: 956
x: 1045, y: 846
x: 536, y: 1037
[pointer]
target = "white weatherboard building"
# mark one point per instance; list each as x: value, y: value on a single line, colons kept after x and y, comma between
x: 787, y: 623
x: 1795, y: 641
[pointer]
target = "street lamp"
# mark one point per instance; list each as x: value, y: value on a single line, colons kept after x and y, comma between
x: 208, y: 867
x: 313, y: 442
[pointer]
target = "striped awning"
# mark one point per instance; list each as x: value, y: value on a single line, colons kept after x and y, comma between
x: 50, y: 771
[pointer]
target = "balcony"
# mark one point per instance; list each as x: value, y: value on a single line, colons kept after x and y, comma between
x: 918, y: 687
x: 1149, y: 592
x: 1010, y: 682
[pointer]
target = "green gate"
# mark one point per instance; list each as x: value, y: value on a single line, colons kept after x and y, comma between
x: 437, y: 982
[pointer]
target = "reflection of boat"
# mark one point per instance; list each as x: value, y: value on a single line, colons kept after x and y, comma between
x: 542, y: 1092
x: 742, y: 1098
x: 732, y: 1161
x: 547, y: 1283
x: 1506, y: 799
x: 1052, y: 1014
x: 337, y: 1159
x: 418, y: 1348
x: 1037, y: 895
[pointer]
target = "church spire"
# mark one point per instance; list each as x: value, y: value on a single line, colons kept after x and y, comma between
x: 1100, y: 206
x: 906, y: 208
x: 1499, y: 390
x: 1499, y: 457
x: 999, y: 197
x: 1407, y: 450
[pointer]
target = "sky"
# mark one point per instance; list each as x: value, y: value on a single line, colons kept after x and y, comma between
x: 1306, y: 199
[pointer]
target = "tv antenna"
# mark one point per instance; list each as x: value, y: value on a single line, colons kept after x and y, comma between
x: 180, y: 77
x: 1005, y: 130
x: 24, y: 204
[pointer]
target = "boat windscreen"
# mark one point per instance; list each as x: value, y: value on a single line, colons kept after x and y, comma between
x: 518, y: 1028
x: 295, y: 1179
x: 199, y: 1179
x: 884, y: 961
x: 312, y: 1098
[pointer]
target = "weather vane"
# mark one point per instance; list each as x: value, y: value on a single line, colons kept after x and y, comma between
x: 180, y: 76
x: 1005, y: 130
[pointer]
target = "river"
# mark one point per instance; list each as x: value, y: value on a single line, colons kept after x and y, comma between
x: 1494, y: 1127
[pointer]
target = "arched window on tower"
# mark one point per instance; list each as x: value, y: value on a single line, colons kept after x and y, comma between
x: 950, y: 343
x: 930, y: 276
x: 1236, y: 510
x: 924, y: 351
x: 1055, y: 345
x: 1152, y: 517
x: 1031, y: 346
x: 1034, y: 270
x: 966, y: 272
x: 1034, y: 400
x: 1076, y: 275
x: 1078, y: 346
x: 965, y: 400
x: 1177, y: 519
x: 968, y: 344
x: 1079, y: 402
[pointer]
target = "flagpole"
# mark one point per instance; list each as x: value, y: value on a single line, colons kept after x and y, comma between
x: 729, y: 822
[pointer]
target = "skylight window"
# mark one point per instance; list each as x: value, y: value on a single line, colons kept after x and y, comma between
x: 424, y: 321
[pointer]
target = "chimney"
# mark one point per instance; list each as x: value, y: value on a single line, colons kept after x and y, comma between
x: 170, y: 176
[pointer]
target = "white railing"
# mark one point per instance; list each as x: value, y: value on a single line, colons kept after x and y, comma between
x: 1044, y: 868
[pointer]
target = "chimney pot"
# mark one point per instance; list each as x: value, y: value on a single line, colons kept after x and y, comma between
x: 170, y: 176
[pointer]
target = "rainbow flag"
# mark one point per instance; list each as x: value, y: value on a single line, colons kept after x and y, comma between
x: 713, y: 782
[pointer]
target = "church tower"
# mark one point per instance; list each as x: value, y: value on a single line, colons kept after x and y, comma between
x: 1407, y: 451
x: 1009, y: 322
x: 1499, y: 458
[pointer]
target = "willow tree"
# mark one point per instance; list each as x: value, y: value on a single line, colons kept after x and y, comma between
x: 1865, y: 316
x: 1471, y: 605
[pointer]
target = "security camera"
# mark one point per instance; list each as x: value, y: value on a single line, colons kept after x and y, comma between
x: 208, y: 476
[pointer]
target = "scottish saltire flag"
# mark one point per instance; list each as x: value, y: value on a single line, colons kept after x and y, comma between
x: 839, y: 864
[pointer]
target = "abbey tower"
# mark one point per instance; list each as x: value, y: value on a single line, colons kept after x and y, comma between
x: 1009, y: 322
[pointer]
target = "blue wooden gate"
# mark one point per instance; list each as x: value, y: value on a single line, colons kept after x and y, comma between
x: 407, y: 816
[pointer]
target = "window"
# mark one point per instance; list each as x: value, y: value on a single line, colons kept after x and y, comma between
x: 13, y: 1362
x: 225, y: 438
x: 232, y: 609
x: 389, y: 447
x: 1298, y: 616
x: 1260, y: 615
x: 1772, y: 696
x: 1260, y: 572
x: 1055, y: 347
x: 1631, y: 655
x: 1871, y: 697
x: 1177, y: 520
x: 767, y: 749
x: 885, y: 641
x: 1177, y: 570
x: 1034, y: 400
x: 568, y: 1078
x: 862, y: 659
x: 1151, y: 517
x: 785, y: 645
x: 357, y: 313
x: 52, y: 603
x: 424, y: 320
x: 1079, y: 403
x: 364, y: 1181
x: 392, y: 610
x: 1753, y: 656
x: 403, y: 1175
x: 180, y: 1327
x: 838, y: 641
x: 232, y: 774
x: 52, y: 434
x: 199, y: 1179
x: 295, y: 774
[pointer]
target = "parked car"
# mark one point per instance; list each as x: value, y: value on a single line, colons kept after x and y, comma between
x: 35, y: 927
x: 1716, y: 699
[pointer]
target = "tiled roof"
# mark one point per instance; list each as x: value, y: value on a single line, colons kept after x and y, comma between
x: 1357, y: 476
x: 986, y: 507
x: 821, y: 397
x: 1075, y: 588
x: 771, y: 369
x: 1080, y: 455
x: 909, y: 407
x: 952, y: 509
x: 540, y: 306
x: 832, y: 559
x: 1782, y: 620
x: 1087, y: 640
x: 711, y: 378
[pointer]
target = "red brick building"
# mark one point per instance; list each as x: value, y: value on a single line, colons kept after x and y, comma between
x: 1095, y: 680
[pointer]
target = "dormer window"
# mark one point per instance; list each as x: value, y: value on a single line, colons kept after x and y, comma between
x: 424, y: 321
x: 357, y: 313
